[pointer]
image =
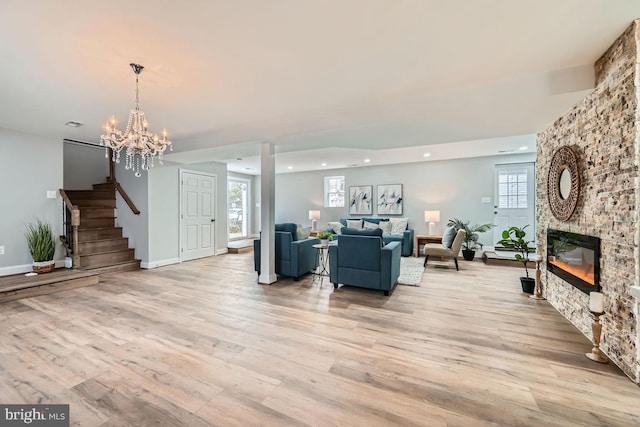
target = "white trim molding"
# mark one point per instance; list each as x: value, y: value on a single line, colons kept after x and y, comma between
x: 161, y: 263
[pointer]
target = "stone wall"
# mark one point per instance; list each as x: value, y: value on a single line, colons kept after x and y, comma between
x: 603, y: 130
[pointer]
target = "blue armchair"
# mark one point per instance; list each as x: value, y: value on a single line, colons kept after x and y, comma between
x: 362, y: 261
x: 294, y: 258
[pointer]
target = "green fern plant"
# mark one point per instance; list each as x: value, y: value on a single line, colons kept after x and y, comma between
x: 40, y: 241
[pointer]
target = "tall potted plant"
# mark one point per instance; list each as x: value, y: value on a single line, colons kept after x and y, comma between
x: 470, y: 243
x: 41, y: 246
x: 514, y: 238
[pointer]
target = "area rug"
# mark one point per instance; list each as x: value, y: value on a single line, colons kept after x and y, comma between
x: 411, y: 270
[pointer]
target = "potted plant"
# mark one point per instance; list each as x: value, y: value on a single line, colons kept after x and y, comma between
x: 41, y: 246
x: 324, y: 237
x: 514, y: 238
x: 471, y: 237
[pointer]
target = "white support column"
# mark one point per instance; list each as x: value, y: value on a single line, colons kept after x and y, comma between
x: 267, y: 215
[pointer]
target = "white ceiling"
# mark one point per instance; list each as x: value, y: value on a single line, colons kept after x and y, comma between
x: 331, y: 81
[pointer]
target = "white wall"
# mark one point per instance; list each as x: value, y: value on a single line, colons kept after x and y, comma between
x: 164, y: 208
x: 29, y: 166
x: 84, y: 165
x: 454, y: 187
x: 135, y: 227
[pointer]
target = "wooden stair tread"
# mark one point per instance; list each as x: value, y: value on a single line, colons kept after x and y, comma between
x: 108, y: 252
x: 20, y: 281
x: 106, y: 239
x: 100, y: 228
x: 113, y: 266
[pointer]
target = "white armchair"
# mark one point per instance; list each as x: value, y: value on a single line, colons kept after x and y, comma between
x: 442, y: 251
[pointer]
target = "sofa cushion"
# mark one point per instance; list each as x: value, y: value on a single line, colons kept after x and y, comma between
x: 288, y: 227
x: 354, y: 223
x: 448, y: 236
x: 398, y: 225
x: 356, y: 232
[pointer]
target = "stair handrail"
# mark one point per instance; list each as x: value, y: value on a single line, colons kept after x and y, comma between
x: 126, y: 198
x: 73, y: 249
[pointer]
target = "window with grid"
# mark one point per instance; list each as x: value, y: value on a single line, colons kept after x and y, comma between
x: 334, y: 191
x: 512, y: 189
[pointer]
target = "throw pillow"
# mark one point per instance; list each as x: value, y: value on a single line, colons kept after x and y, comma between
x: 336, y: 227
x: 398, y: 225
x: 303, y: 232
x: 354, y: 223
x: 448, y: 236
x: 385, y: 226
x: 370, y: 225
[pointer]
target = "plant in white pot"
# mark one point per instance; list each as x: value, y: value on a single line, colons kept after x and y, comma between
x: 41, y: 246
x: 324, y: 237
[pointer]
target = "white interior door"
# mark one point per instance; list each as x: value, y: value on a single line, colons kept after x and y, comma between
x: 515, y: 198
x: 197, y: 215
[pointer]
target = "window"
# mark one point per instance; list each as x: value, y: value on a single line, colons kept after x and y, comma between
x: 512, y: 189
x: 237, y: 207
x: 334, y: 191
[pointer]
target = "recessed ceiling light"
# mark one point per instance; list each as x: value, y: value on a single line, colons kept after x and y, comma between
x: 73, y: 124
x: 289, y: 167
x: 239, y: 158
x: 367, y: 160
x: 426, y: 155
x: 524, y: 148
x: 323, y: 164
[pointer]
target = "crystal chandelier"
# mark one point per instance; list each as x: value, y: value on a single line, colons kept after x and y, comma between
x: 140, y: 144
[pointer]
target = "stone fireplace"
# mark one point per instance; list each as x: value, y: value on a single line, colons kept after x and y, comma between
x: 604, y: 131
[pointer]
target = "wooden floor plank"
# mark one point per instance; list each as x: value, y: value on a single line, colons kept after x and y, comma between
x: 201, y: 343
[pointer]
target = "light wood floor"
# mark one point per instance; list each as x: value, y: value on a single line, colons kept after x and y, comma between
x: 202, y: 344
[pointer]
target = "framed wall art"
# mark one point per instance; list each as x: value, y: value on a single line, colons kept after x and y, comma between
x: 389, y: 199
x: 360, y: 202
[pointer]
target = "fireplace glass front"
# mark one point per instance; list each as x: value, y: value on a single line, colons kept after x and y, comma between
x: 575, y: 258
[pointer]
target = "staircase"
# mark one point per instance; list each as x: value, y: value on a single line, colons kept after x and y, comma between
x: 100, y: 244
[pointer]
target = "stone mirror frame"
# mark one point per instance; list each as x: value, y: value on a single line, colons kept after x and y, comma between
x: 563, y: 184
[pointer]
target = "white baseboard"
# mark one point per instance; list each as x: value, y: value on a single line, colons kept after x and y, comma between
x: 24, y: 268
x: 222, y: 251
x: 161, y: 263
x: 15, y: 269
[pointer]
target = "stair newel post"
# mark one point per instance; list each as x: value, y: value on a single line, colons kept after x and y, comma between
x: 112, y: 167
x: 75, y: 223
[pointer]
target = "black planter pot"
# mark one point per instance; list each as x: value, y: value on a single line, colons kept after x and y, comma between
x: 528, y: 285
x: 468, y: 254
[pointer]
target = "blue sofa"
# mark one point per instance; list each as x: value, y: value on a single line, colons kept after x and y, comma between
x: 406, y: 239
x: 294, y: 257
x: 362, y: 261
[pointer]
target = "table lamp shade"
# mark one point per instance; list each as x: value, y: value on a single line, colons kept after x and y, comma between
x: 431, y: 216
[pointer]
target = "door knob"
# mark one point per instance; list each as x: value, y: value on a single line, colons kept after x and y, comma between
x: 213, y: 220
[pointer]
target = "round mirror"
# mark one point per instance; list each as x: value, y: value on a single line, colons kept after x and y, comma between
x: 565, y: 184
